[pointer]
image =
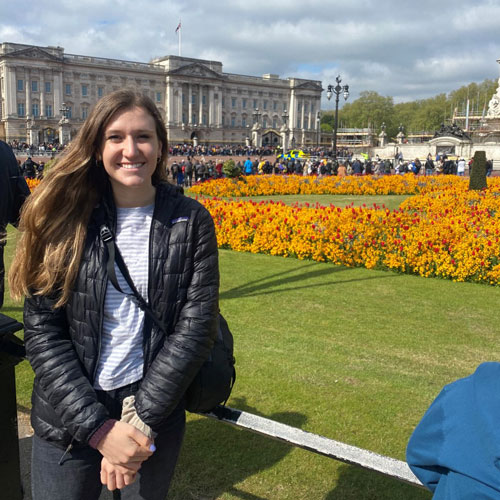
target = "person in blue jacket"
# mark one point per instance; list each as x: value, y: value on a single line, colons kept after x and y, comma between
x: 455, y: 449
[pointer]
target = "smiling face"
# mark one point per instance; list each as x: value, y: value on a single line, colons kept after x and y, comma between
x: 130, y: 150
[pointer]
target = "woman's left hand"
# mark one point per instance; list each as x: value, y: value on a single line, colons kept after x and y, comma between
x: 116, y: 476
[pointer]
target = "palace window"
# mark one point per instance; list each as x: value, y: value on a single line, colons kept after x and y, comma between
x: 243, y: 103
x: 193, y: 98
x: 68, y: 89
x: 85, y: 90
x: 158, y: 96
x: 233, y: 121
x: 204, y: 99
x: 265, y: 105
x: 100, y: 91
x: 48, y: 111
x: 34, y: 86
x: 35, y: 109
x: 233, y: 102
x: 254, y: 103
x: 20, y: 109
x: 244, y: 122
x: 48, y: 87
x: 20, y: 85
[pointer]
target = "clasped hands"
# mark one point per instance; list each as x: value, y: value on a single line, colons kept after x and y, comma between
x: 124, y: 448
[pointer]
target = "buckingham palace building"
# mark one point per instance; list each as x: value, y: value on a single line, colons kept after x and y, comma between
x: 46, y: 94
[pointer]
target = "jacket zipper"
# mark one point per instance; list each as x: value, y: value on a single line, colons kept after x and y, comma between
x: 68, y: 449
x: 146, y: 340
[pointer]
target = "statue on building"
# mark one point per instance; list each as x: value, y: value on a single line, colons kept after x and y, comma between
x: 452, y: 130
x: 494, y: 104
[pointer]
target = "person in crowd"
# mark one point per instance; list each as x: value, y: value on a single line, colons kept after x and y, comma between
x: 248, y: 166
x: 489, y: 168
x: 429, y: 165
x: 29, y: 168
x: 93, y: 351
x: 188, y: 172
x: 461, y: 167
x: 13, y: 192
x: 357, y: 167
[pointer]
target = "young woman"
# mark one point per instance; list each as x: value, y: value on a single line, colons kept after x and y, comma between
x: 89, y: 345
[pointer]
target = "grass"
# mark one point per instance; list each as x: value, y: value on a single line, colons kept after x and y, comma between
x: 390, y: 201
x: 353, y: 354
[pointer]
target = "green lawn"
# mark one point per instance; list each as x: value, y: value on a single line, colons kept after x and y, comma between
x: 353, y: 354
x: 390, y: 201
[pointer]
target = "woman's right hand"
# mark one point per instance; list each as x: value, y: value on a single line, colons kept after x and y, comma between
x: 126, y: 446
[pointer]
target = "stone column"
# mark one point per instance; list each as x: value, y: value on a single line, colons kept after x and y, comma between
x: 42, y: 93
x: 190, y: 104
x: 179, y: 104
x: 10, y: 92
x: 302, y: 115
x: 58, y: 83
x: 170, y: 104
x: 219, y: 108
x: 292, y: 110
x: 28, y: 92
x: 211, y: 107
x: 200, y: 105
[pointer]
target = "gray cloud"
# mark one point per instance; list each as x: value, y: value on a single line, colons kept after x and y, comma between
x: 408, y: 50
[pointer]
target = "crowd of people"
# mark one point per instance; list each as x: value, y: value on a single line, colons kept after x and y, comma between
x: 193, y: 169
x: 44, y: 148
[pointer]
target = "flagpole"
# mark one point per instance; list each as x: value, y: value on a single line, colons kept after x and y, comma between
x: 180, y: 37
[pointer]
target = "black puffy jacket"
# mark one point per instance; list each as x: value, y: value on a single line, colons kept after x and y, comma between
x: 63, y: 344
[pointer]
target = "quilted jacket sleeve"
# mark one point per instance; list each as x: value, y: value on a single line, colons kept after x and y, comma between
x: 185, y: 350
x: 59, y: 373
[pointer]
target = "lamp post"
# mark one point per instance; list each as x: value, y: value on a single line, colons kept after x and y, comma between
x: 337, y: 90
x: 284, y: 130
x: 318, y: 123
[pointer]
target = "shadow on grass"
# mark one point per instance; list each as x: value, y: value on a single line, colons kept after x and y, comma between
x: 12, y: 309
x: 216, y: 457
x: 271, y: 283
x: 355, y: 483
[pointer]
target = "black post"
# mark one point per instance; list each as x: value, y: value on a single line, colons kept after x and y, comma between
x: 11, y: 353
x: 337, y: 94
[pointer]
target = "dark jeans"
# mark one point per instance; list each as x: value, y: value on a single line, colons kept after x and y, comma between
x: 2, y: 271
x: 78, y: 477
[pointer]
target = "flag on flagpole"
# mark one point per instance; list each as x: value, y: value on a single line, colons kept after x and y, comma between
x: 178, y: 27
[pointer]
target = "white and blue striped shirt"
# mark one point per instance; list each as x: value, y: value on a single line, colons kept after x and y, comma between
x: 121, y: 361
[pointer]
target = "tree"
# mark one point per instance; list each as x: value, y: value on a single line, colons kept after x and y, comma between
x: 478, y: 173
x: 230, y: 169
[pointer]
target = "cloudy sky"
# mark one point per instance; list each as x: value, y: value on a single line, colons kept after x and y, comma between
x: 405, y: 49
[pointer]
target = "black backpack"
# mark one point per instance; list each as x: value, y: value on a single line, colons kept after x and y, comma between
x: 214, y: 381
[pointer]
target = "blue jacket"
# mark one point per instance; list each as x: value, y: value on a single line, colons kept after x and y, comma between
x: 455, y: 449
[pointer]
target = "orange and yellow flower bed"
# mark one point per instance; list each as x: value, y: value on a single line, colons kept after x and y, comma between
x: 447, y: 232
x: 32, y: 183
x: 266, y: 185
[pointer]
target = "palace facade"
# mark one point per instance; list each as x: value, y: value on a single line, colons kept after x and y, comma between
x: 46, y: 94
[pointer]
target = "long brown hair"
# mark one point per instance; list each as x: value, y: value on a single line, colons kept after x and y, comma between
x: 54, y: 219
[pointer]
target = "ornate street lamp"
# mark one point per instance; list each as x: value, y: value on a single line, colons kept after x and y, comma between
x: 337, y: 90
x: 284, y: 130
